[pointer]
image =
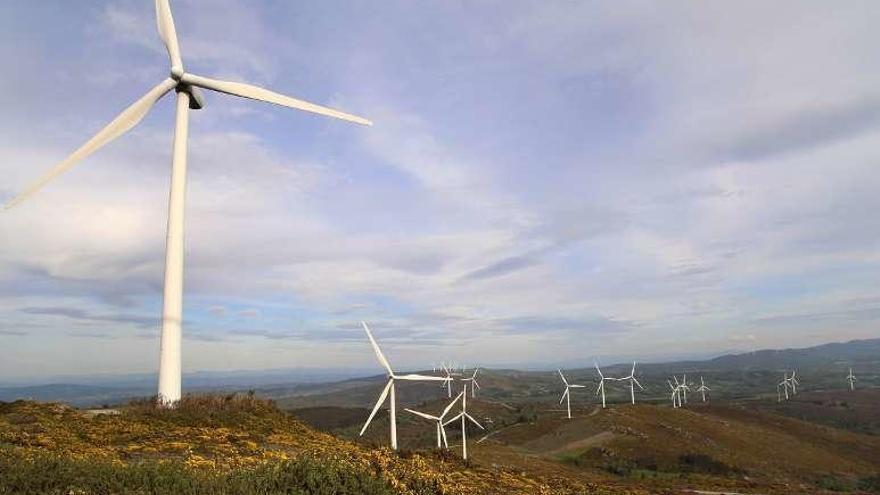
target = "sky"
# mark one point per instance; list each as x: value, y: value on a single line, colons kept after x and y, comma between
x: 546, y: 182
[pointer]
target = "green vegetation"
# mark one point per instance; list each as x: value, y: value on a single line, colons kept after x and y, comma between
x: 49, y: 474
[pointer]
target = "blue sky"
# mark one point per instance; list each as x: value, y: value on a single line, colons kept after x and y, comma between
x: 545, y: 182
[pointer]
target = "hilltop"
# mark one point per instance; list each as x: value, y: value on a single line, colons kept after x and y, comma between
x: 225, y: 445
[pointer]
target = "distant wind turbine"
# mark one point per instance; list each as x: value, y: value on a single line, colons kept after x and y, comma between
x: 703, y: 389
x: 785, y: 383
x: 851, y: 379
x: 389, y: 388
x: 188, y: 98
x: 794, y: 382
x: 464, y: 416
x: 566, y: 396
x: 675, y: 396
x: 474, y: 384
x: 602, y: 379
x: 441, y: 431
x: 684, y: 387
x: 449, y: 375
x: 632, y: 382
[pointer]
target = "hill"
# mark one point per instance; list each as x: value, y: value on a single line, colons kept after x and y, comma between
x: 224, y: 445
x: 750, y: 447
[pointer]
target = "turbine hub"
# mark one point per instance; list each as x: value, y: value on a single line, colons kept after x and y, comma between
x: 176, y: 72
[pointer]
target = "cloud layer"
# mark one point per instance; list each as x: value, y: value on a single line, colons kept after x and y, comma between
x: 545, y: 182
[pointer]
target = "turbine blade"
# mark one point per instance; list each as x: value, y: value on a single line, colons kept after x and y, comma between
x: 384, y: 362
x: 477, y: 384
x: 455, y: 418
x: 256, y: 93
x: 474, y: 421
x: 563, y: 378
x: 421, y: 378
x: 168, y: 33
x: 637, y: 383
x: 426, y: 416
x: 449, y: 406
x: 563, y: 395
x: 443, y: 434
x: 119, y: 126
x: 576, y: 386
x: 379, y: 402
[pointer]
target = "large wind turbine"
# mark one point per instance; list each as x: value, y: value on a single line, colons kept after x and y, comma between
x: 566, y: 396
x: 464, y: 416
x: 441, y: 431
x: 188, y: 97
x: 389, y: 388
x: 851, y: 379
x: 633, y: 381
x: 794, y: 382
x: 703, y: 388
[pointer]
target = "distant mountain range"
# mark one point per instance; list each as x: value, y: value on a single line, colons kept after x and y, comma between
x: 856, y: 353
x: 342, y: 385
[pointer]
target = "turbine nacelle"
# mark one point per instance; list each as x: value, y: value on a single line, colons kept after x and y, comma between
x: 196, y: 96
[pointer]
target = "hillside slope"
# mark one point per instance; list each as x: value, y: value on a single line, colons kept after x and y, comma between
x: 221, y: 437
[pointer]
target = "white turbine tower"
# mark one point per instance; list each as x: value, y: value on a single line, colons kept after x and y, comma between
x: 851, y: 379
x: 473, y: 380
x: 464, y: 416
x: 441, y: 431
x: 633, y: 381
x: 703, y: 389
x: 602, y: 380
x: 389, y: 388
x: 566, y: 396
x: 188, y: 97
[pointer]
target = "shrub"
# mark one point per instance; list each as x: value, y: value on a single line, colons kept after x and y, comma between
x: 704, y: 464
x: 870, y: 484
x: 53, y: 475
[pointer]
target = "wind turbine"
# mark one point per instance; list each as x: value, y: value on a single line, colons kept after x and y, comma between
x: 703, y: 388
x: 684, y: 387
x: 851, y: 379
x: 676, y: 397
x: 784, y: 383
x: 389, y: 388
x: 473, y: 380
x: 632, y: 382
x: 441, y: 431
x: 601, y: 388
x: 449, y: 375
x: 464, y: 416
x: 188, y: 98
x: 794, y: 382
x: 566, y: 396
